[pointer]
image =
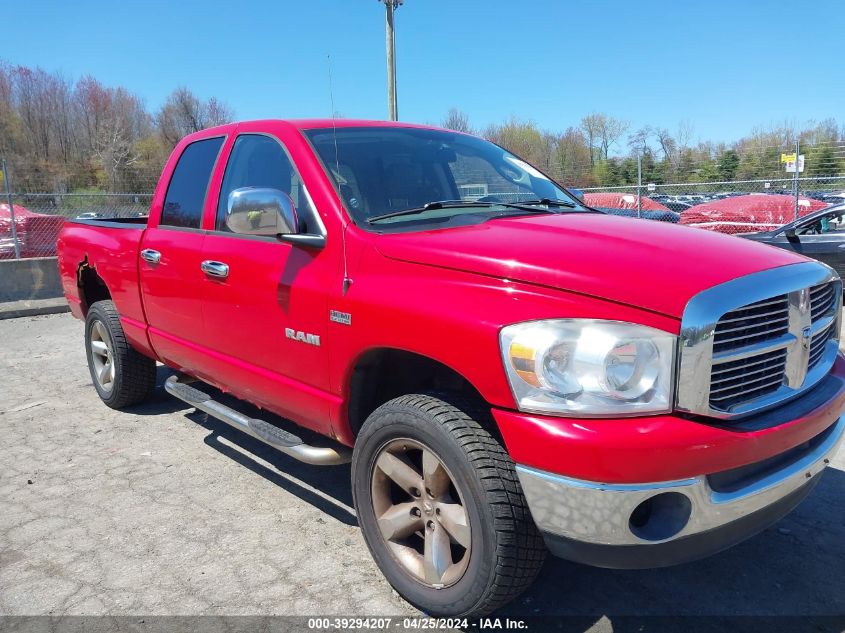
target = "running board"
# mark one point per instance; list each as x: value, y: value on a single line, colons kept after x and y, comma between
x: 281, y: 440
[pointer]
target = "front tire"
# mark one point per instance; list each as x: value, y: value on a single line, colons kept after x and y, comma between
x: 121, y: 375
x: 441, y: 508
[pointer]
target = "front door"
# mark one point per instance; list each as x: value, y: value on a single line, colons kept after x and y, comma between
x: 265, y: 317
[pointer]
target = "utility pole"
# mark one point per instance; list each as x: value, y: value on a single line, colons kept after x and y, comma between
x: 392, y: 107
x: 8, y: 185
x: 639, y: 185
x: 795, y: 177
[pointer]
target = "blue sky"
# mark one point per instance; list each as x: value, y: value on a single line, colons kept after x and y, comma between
x: 724, y: 66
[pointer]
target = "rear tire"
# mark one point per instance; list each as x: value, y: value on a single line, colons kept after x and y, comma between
x: 503, y: 548
x: 121, y: 375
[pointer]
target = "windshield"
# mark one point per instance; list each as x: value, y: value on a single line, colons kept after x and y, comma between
x: 383, y: 171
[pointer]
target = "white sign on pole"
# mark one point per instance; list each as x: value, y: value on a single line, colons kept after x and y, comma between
x: 790, y: 164
x: 652, y: 186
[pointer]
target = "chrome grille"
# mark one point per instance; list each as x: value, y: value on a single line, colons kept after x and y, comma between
x: 746, y: 378
x: 818, y: 345
x: 751, y: 324
x: 821, y: 299
x: 738, y: 357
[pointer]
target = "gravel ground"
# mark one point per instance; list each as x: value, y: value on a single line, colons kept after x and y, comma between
x: 162, y: 511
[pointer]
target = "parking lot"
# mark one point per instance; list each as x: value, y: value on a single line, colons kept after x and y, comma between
x: 162, y: 511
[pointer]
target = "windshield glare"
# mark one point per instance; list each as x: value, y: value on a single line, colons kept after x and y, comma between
x: 381, y: 170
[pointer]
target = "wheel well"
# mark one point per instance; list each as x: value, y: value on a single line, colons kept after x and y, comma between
x: 384, y: 374
x: 92, y: 288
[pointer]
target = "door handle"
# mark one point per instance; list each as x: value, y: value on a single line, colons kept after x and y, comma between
x: 151, y: 256
x: 215, y: 269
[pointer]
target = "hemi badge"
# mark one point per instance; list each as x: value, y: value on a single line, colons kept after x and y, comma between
x: 344, y: 318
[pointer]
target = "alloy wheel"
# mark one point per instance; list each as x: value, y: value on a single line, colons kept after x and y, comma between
x: 421, y: 513
x: 102, y: 355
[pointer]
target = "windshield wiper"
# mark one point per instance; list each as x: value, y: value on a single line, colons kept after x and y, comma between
x: 458, y: 204
x: 429, y: 206
x: 548, y: 202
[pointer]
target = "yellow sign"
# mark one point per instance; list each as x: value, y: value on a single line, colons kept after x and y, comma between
x: 787, y: 158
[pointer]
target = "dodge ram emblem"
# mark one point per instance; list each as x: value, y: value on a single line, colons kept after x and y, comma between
x: 302, y: 337
x: 806, y: 335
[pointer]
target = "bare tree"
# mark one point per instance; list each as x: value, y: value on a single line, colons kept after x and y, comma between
x: 573, y: 158
x: 667, y: 144
x: 11, y: 134
x: 32, y: 103
x: 184, y: 113
x: 602, y: 132
x: 610, y: 131
x: 638, y: 141
x: 93, y: 102
x: 684, y: 134
x: 524, y: 139
x: 217, y: 113
x: 456, y: 120
x: 591, y: 125
x: 124, y: 121
x: 59, y: 94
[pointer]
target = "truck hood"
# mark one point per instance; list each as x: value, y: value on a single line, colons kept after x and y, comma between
x: 656, y: 266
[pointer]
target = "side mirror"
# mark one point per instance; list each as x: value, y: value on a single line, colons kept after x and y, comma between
x: 790, y: 234
x: 261, y: 211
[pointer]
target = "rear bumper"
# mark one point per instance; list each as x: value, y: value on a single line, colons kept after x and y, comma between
x: 658, y: 524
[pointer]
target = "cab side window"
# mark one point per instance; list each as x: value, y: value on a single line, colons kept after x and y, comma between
x: 185, y: 198
x: 261, y: 161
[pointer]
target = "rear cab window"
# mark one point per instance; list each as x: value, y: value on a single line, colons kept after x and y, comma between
x: 188, y: 187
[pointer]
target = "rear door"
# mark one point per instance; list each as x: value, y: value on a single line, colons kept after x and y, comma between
x: 171, y: 253
x: 265, y: 320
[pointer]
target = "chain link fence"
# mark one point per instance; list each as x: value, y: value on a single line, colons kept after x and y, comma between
x: 33, y: 213
x: 789, y: 182
x: 731, y: 192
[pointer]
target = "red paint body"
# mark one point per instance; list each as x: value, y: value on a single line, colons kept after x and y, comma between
x: 444, y: 294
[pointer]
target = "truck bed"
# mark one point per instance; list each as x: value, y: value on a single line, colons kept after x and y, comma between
x: 111, y: 248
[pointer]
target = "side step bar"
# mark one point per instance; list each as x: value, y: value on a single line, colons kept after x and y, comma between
x: 281, y: 440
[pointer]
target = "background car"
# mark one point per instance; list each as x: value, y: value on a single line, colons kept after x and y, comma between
x: 625, y: 204
x: 752, y: 212
x: 676, y: 205
x: 36, y: 232
x: 820, y: 235
x: 660, y: 216
x: 620, y: 200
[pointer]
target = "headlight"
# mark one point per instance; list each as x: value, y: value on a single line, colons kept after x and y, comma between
x: 589, y: 368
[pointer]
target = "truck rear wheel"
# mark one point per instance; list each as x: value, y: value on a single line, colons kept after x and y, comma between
x: 441, y: 508
x: 121, y: 375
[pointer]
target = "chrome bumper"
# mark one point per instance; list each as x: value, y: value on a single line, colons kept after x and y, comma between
x: 655, y: 514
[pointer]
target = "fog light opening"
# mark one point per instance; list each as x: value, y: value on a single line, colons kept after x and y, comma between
x: 660, y: 517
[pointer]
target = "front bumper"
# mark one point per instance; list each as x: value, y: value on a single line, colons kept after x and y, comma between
x: 657, y: 524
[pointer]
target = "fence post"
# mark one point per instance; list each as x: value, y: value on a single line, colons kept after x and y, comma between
x: 795, y: 177
x: 639, y: 185
x: 11, y: 210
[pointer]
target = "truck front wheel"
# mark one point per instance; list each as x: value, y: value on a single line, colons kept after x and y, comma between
x: 121, y: 375
x: 441, y: 508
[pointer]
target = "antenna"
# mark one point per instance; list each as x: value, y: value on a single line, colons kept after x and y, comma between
x: 334, y: 125
x: 346, y: 280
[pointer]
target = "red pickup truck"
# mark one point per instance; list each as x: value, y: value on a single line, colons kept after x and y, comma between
x: 508, y: 371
